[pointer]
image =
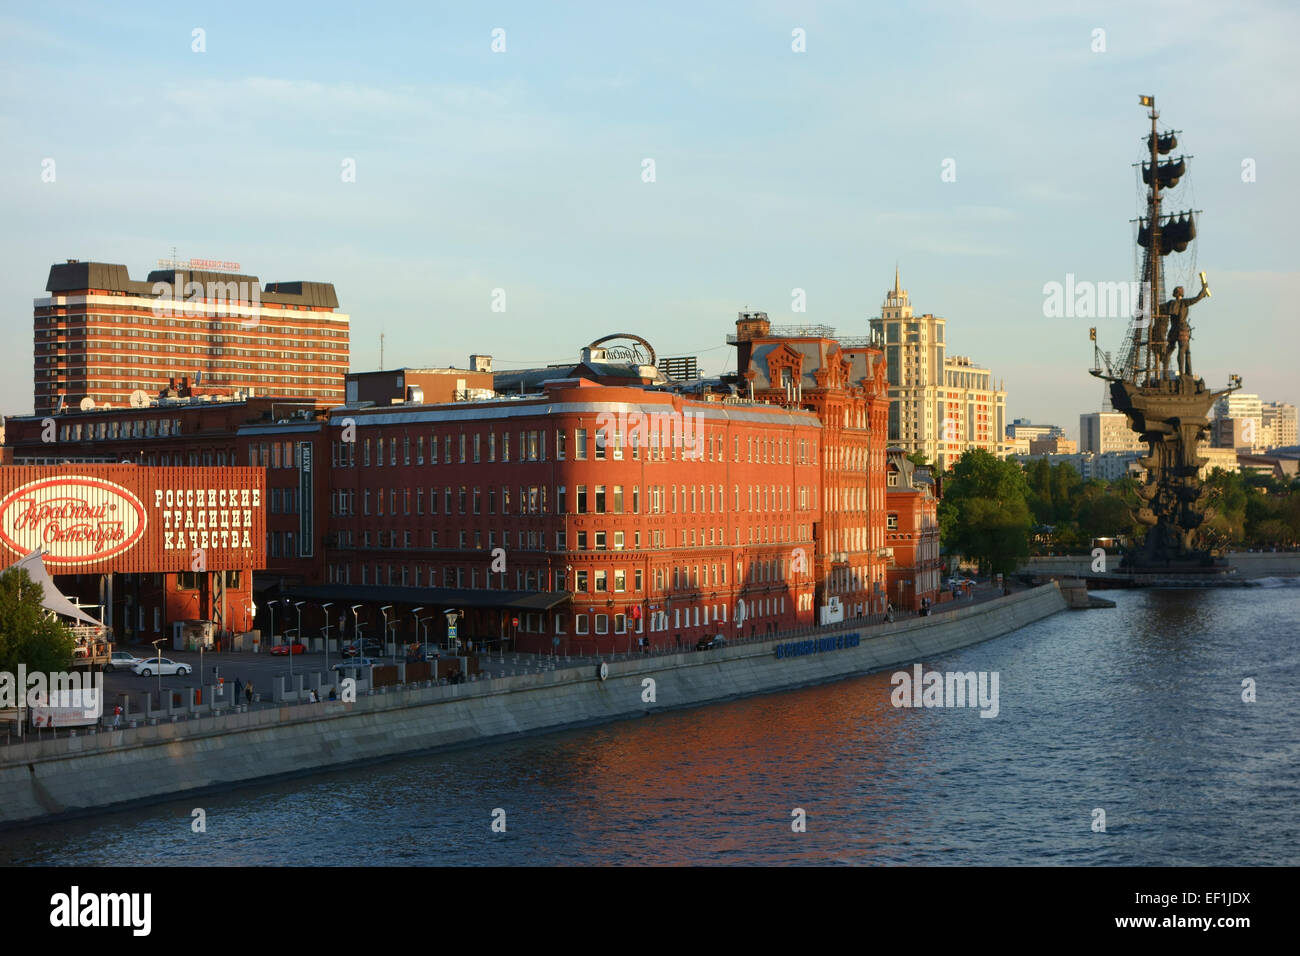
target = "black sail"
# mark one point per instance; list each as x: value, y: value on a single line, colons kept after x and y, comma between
x: 1170, y: 173
x: 1164, y: 143
x: 1175, y: 234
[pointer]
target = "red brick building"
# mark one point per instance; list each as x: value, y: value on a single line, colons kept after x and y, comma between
x: 580, y: 508
x: 565, y: 511
x: 422, y: 386
x: 843, y: 382
x: 265, y: 434
x: 912, y: 533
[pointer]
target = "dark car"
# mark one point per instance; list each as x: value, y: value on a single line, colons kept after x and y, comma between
x: 367, y: 648
x: 709, y: 643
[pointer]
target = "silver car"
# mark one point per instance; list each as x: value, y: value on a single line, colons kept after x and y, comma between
x: 123, y: 659
x: 160, y: 665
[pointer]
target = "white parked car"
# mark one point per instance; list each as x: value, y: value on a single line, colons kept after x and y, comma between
x: 155, y: 665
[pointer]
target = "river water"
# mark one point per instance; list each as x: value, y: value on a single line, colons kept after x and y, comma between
x: 1136, y: 711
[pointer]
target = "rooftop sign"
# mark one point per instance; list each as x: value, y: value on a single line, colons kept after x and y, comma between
x: 634, y: 350
x: 209, y: 265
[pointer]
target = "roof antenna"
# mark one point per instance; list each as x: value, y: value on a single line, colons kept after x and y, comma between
x: 381, y: 351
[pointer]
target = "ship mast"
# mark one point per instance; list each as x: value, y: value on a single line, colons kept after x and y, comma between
x: 1152, y: 272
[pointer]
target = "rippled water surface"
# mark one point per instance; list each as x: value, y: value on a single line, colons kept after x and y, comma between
x: 1137, y: 711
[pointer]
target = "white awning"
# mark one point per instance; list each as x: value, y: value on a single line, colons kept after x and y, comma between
x: 34, y: 565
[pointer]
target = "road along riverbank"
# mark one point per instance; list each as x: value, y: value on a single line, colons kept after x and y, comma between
x: 50, y: 779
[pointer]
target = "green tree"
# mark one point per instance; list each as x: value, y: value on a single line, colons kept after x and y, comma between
x: 985, y: 511
x: 1273, y: 533
x: 1039, y: 478
x: 28, y: 635
x: 1105, y: 516
x: 1227, y: 497
x: 1065, y: 485
x: 918, y: 458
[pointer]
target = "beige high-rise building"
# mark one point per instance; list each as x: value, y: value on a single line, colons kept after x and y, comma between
x: 1246, y: 409
x: 1279, y: 420
x: 1101, y: 432
x: 939, y: 405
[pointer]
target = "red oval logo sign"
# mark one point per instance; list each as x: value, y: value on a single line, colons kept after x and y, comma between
x: 75, y: 519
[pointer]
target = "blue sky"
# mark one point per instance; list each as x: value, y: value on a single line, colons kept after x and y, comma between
x: 774, y: 170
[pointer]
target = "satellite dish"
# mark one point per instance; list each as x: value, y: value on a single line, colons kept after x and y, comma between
x: 87, y: 404
x: 139, y: 399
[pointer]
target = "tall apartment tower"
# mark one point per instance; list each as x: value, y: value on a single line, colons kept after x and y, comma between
x: 1103, y: 432
x: 100, y: 335
x: 1247, y: 409
x: 1280, y: 425
x: 939, y: 405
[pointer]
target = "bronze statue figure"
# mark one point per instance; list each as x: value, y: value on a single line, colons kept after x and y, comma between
x: 1158, y: 344
x: 1180, y: 330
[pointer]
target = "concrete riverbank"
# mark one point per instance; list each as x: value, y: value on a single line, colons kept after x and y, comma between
x: 1249, y: 565
x: 42, y: 780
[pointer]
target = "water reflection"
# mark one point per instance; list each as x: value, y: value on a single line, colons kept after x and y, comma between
x: 1136, y: 710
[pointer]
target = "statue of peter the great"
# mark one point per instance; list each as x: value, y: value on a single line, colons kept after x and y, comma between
x: 1180, y: 330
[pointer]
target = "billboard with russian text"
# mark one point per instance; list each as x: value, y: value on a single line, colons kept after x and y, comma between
x: 98, y: 519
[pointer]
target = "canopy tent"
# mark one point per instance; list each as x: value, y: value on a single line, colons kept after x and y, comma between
x: 34, y: 565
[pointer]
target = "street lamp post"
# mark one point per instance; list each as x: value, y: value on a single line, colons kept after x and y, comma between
x: 297, y: 637
x: 356, y: 628
x: 415, y: 613
x: 163, y: 640
x: 384, y: 611
x: 270, y: 606
x: 325, y: 634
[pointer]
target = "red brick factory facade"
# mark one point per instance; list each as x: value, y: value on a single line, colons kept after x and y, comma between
x: 579, y: 507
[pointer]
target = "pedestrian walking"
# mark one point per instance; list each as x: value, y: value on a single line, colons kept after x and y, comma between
x: 117, y: 716
x: 248, y: 691
x: 239, y: 689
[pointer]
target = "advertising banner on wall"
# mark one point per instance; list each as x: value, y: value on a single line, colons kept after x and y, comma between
x: 306, y: 529
x: 129, y: 519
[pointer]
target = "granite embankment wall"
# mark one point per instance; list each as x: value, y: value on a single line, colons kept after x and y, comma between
x: 1266, y: 564
x: 69, y: 776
